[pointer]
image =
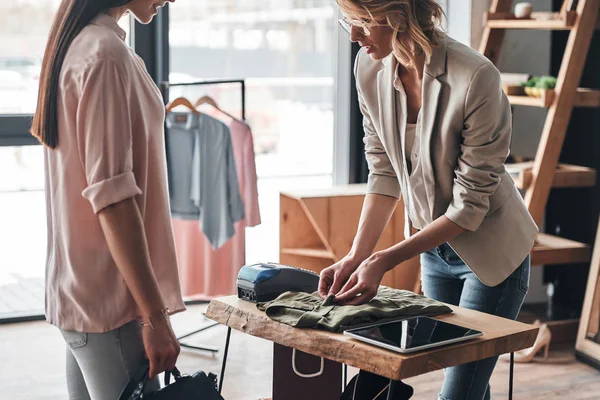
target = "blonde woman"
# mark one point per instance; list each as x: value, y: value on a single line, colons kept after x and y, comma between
x: 437, y: 130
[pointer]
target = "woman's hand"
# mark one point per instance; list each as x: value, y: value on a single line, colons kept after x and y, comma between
x: 336, y: 276
x: 363, y: 284
x: 161, y: 345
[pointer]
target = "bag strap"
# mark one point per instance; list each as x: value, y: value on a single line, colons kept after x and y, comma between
x: 136, y: 383
x: 176, y: 375
x: 374, y: 398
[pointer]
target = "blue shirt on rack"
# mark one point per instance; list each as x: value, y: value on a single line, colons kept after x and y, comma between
x: 204, y: 184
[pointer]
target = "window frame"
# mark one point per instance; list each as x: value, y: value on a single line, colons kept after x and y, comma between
x: 14, y: 130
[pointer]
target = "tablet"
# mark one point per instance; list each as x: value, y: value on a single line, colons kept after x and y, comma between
x: 412, y: 334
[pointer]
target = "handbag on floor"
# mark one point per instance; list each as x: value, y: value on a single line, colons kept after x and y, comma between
x: 368, y: 386
x: 198, y: 386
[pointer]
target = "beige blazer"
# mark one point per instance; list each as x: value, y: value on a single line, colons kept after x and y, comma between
x: 464, y: 136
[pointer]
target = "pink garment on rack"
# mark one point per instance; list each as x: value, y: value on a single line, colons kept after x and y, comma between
x: 204, y: 272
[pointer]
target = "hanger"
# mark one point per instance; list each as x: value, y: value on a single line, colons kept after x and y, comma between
x: 209, y: 100
x: 182, y: 101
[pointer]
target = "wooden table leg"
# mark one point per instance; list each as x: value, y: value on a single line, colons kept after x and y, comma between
x: 287, y: 385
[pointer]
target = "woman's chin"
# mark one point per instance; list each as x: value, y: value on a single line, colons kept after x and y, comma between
x: 144, y: 19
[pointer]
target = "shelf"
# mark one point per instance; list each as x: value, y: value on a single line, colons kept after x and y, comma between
x: 587, y: 98
x: 552, y: 250
x: 313, y: 253
x: 566, y: 175
x: 563, y: 330
x: 538, y: 20
x: 525, y: 100
x: 583, y: 98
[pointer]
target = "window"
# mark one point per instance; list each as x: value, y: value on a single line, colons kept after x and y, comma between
x: 24, y: 27
x: 21, y: 51
x: 286, y: 52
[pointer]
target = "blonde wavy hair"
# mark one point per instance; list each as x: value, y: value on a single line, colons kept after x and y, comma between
x: 420, y: 19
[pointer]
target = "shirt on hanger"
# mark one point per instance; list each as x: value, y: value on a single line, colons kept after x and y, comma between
x: 206, y: 272
x: 204, y: 184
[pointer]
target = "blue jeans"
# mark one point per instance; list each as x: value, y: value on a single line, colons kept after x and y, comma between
x: 445, y: 277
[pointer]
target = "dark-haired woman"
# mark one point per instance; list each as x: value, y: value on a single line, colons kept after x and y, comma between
x: 111, y: 273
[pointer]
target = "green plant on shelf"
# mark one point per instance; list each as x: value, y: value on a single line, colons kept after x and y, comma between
x: 536, y: 85
x: 541, y: 82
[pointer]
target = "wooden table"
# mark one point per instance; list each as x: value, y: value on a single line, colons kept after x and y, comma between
x: 500, y: 336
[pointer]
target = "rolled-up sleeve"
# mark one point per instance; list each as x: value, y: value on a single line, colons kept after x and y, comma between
x: 382, y: 177
x: 104, y: 131
x: 485, y: 146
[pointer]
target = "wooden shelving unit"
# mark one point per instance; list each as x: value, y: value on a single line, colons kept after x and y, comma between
x: 549, y: 250
x: 545, y: 173
x: 537, y: 178
x: 538, y: 20
x: 565, y: 176
x: 317, y: 228
x: 312, y: 253
x: 583, y: 98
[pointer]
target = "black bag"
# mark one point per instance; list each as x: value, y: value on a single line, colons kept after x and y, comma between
x: 198, y: 386
x: 368, y: 386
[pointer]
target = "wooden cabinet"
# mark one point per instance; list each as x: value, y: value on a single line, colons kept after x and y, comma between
x: 317, y: 229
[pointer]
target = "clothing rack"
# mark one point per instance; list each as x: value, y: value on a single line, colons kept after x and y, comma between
x: 164, y: 89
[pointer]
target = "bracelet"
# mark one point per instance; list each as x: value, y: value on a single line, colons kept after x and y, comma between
x: 148, y: 323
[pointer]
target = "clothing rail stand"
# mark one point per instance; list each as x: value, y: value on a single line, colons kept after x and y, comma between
x: 164, y: 89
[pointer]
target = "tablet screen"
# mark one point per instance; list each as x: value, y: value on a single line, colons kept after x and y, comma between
x: 414, y: 332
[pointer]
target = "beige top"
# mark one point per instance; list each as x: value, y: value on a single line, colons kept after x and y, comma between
x: 111, y: 147
x: 416, y: 195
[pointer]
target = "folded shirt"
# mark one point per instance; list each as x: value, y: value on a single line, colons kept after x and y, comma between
x: 309, y: 310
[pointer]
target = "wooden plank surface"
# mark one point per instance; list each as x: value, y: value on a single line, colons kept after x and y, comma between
x: 565, y: 175
x: 306, y: 252
x: 525, y: 100
x: 500, y: 336
x: 298, y: 229
x: 314, y: 264
x: 344, y: 214
x: 319, y: 209
x: 587, y: 97
x: 338, y: 190
x: 584, y: 97
x: 551, y: 250
x: 538, y: 20
x: 491, y: 40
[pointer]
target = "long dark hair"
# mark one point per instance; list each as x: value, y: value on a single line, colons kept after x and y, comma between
x: 72, y: 16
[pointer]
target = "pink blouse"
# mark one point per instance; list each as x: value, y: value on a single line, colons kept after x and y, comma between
x: 110, y: 148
